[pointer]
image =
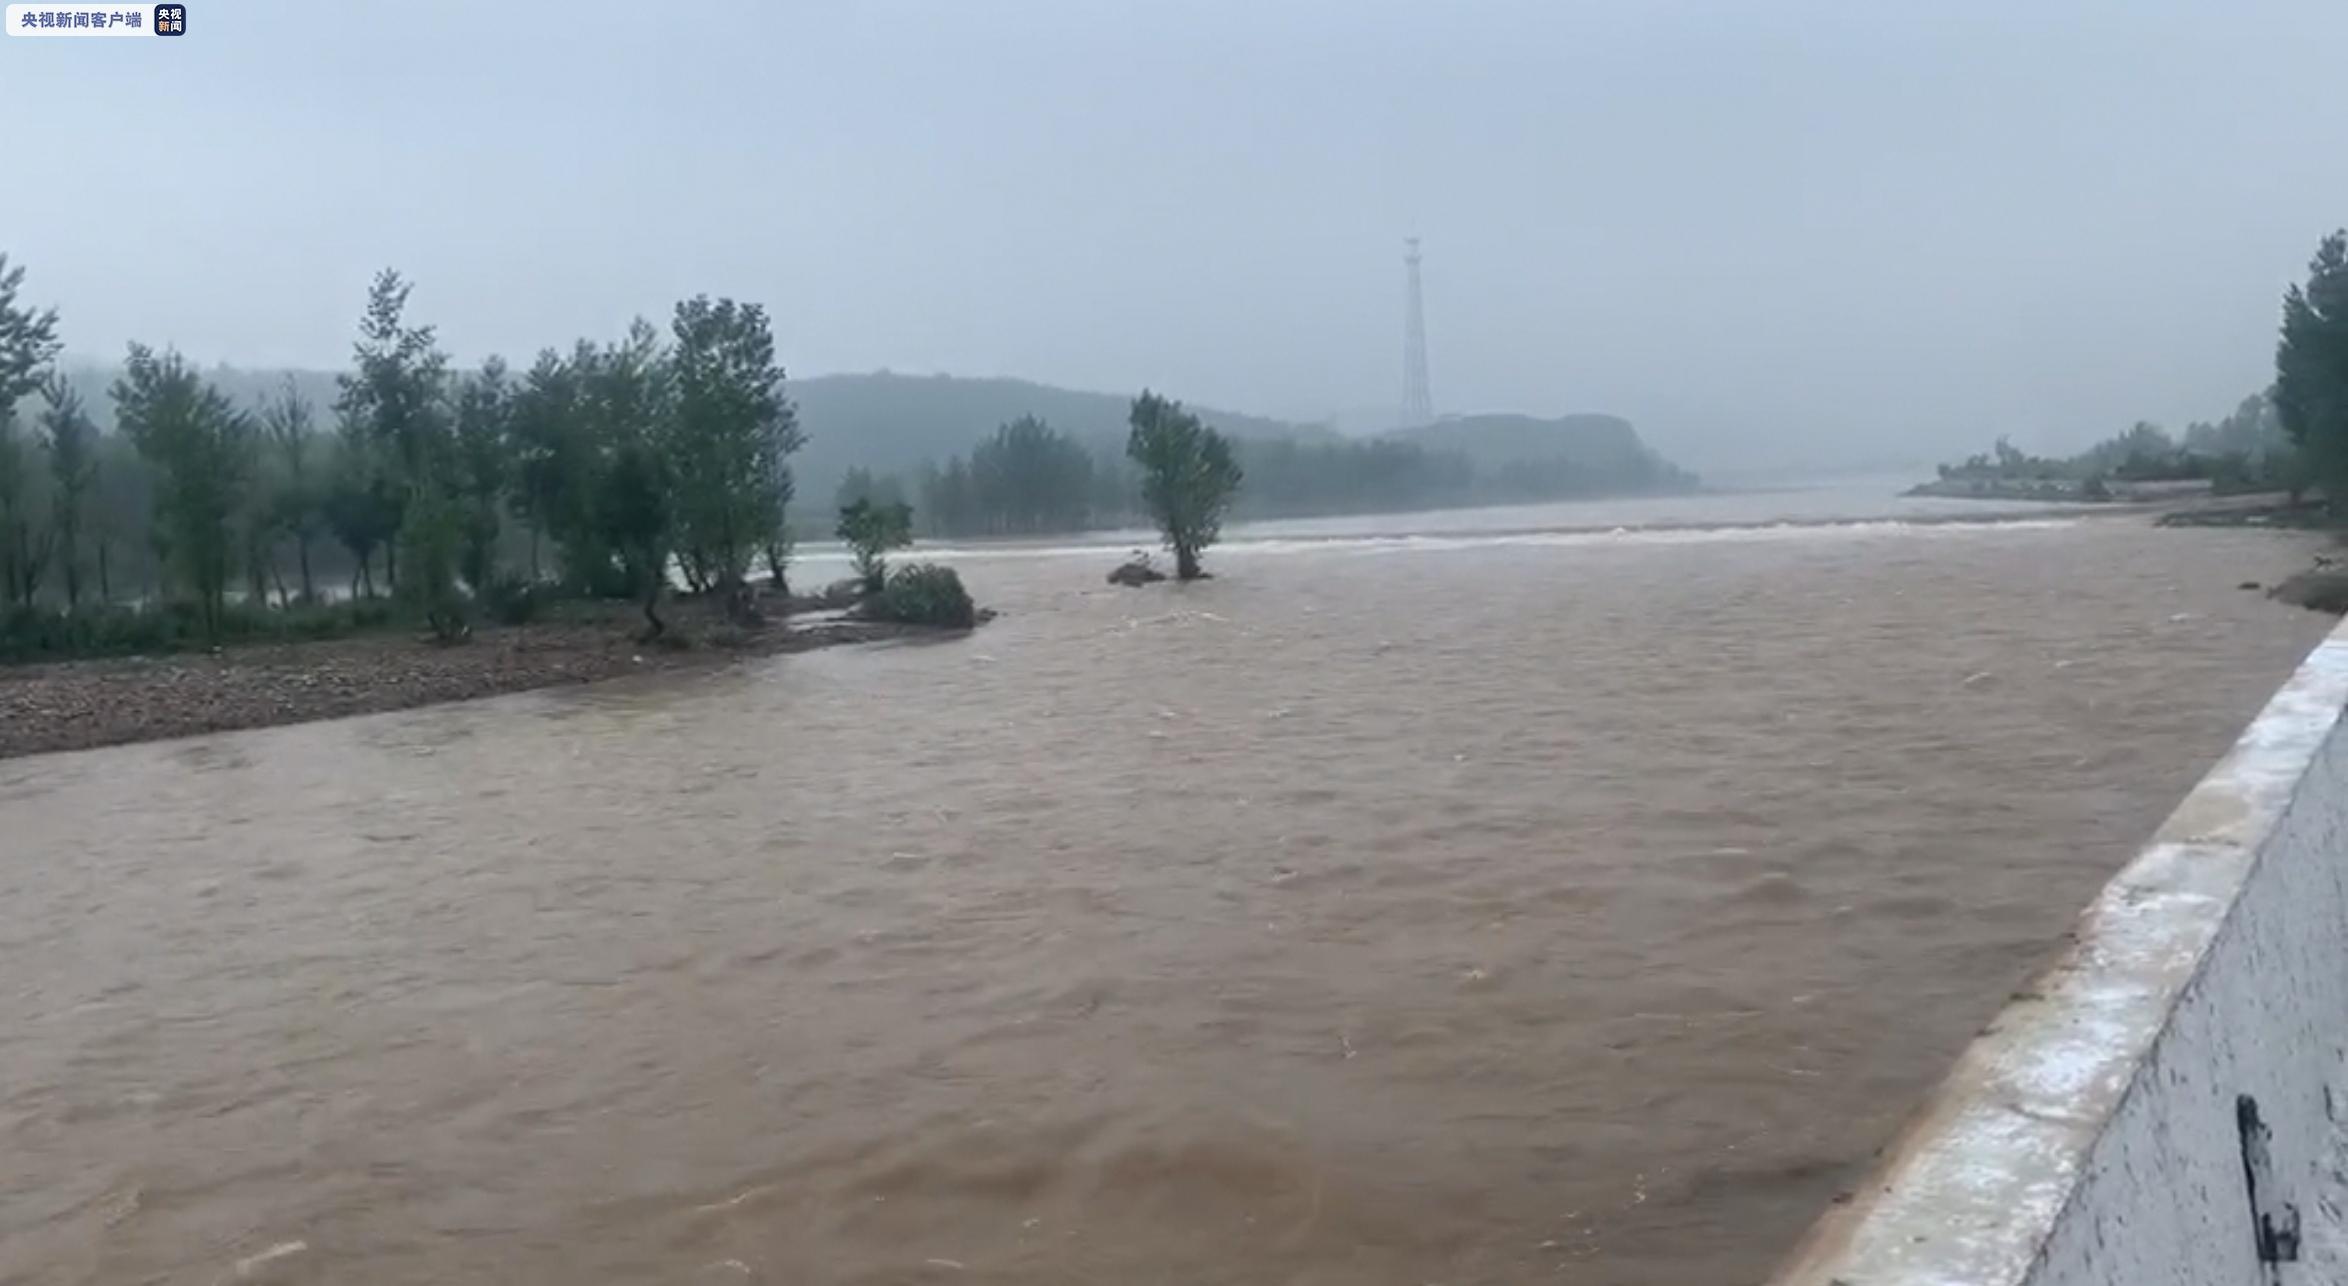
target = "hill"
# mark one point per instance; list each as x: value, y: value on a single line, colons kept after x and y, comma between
x: 1567, y: 456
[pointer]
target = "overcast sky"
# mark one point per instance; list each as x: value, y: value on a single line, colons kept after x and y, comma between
x: 1767, y: 232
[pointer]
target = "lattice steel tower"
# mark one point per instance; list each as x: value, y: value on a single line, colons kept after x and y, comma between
x: 1418, y: 404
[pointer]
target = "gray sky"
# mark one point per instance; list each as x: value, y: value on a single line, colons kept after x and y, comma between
x: 1777, y: 232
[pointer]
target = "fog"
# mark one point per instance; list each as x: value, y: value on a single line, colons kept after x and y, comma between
x: 1775, y: 236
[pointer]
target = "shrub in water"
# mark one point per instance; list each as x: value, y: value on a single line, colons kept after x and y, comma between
x: 923, y: 594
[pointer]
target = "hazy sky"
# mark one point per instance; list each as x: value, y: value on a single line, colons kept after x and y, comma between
x: 1767, y: 232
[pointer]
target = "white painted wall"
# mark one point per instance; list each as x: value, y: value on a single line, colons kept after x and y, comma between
x: 2090, y: 1137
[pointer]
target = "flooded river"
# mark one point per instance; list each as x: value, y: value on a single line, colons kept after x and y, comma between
x: 1473, y: 908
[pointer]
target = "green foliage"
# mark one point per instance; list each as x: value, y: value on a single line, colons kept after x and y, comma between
x: 870, y: 531
x: 923, y: 594
x: 431, y: 537
x: 730, y: 440
x: 44, y: 634
x: 2311, y: 368
x: 294, y: 506
x: 72, y: 442
x: 202, y: 449
x: 28, y: 342
x: 1187, y: 477
x: 484, y: 406
x: 633, y: 501
x: 395, y: 397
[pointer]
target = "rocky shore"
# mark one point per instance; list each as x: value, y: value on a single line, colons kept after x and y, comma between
x: 73, y: 705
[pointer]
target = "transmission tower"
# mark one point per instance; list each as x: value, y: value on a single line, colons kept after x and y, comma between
x: 1418, y: 404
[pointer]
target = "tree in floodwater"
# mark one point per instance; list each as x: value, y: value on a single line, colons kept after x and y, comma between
x: 870, y: 531
x: 73, y: 469
x: 201, y: 446
x: 2311, y: 368
x: 1188, y: 477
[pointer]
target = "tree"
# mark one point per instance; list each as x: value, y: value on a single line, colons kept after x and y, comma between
x: 870, y: 531
x: 1187, y: 477
x: 633, y: 500
x: 364, y: 513
x: 2311, y: 368
x: 28, y: 344
x: 484, y: 404
x: 294, y: 508
x: 395, y: 393
x: 1029, y: 479
x: 861, y: 484
x: 731, y: 434
x: 73, y: 468
x: 395, y: 398
x: 201, y: 447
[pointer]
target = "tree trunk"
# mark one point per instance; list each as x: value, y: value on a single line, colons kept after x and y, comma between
x: 105, y: 580
x: 1185, y: 562
x: 534, y: 572
x: 653, y: 626
x: 390, y: 567
x: 309, y: 591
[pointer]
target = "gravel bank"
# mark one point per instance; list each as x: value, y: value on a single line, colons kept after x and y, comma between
x: 75, y: 705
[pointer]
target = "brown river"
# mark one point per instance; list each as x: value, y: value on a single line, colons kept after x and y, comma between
x: 1471, y: 908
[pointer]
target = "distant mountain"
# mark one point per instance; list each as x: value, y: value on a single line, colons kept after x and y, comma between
x: 1569, y: 455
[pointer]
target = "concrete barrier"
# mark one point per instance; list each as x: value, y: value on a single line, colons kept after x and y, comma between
x: 2167, y: 1103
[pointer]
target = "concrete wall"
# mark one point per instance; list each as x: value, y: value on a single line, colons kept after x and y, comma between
x: 2167, y: 1104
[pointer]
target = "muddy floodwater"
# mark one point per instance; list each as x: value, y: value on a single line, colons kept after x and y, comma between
x: 1473, y: 908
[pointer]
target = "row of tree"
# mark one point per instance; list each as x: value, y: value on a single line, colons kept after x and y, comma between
x: 624, y: 461
x: 611, y: 468
x: 2248, y: 449
x: 2291, y: 437
x: 1030, y: 479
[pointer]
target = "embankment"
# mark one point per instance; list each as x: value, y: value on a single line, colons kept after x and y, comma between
x: 2166, y: 1104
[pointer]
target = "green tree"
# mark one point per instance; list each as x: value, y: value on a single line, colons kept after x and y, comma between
x: 395, y: 397
x: 1187, y: 477
x: 870, y: 531
x: 28, y: 344
x: 296, y: 503
x: 633, y: 499
x: 364, y: 512
x: 28, y: 341
x: 73, y: 469
x: 861, y: 484
x: 547, y: 455
x: 2311, y: 368
x: 201, y: 446
x: 731, y: 435
x: 431, y: 540
x: 1029, y: 479
x: 485, y: 403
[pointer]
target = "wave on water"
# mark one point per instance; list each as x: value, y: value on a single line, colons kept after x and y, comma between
x: 1659, y: 534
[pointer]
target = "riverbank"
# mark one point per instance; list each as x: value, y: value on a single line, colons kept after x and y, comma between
x: 77, y: 705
